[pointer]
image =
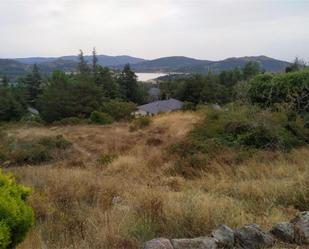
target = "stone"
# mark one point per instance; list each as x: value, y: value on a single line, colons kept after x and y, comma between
x: 160, y: 243
x: 283, y: 231
x: 301, y: 227
x: 252, y: 237
x: 224, y: 237
x: 197, y: 243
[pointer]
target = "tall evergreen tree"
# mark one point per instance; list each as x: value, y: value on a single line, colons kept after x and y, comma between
x: 83, y: 67
x: 128, y: 84
x: 94, y: 63
x: 32, y: 84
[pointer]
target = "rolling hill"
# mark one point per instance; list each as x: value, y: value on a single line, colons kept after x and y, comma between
x: 190, y: 65
x: 12, y: 68
x: 103, y: 60
x: 17, y: 67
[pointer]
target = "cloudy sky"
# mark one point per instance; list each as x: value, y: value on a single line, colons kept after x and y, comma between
x: 207, y: 29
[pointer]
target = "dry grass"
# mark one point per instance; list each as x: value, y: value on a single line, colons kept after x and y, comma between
x: 82, y: 203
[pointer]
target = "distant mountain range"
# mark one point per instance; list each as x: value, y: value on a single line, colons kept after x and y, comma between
x: 189, y: 65
x: 20, y: 66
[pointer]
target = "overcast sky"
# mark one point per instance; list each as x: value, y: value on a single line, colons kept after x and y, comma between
x: 207, y: 29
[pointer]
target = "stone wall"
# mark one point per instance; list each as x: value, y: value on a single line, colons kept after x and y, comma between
x: 246, y: 237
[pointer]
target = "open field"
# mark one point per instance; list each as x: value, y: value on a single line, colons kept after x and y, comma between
x: 117, y: 188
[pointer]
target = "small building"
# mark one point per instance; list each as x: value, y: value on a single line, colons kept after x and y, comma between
x: 160, y: 106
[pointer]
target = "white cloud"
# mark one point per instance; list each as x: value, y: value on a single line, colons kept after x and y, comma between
x: 147, y: 28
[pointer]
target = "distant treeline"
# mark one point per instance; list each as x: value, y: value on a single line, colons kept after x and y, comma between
x: 62, y: 95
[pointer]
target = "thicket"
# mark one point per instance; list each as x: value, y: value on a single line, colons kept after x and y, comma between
x: 233, y: 133
x: 63, y: 95
x: 118, y: 110
x: 101, y: 118
x: 290, y: 90
x: 16, y: 217
x: 19, y: 151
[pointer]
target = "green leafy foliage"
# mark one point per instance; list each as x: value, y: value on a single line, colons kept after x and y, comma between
x: 16, y: 217
x: 63, y: 98
x: 119, y: 110
x: 188, y: 106
x: 235, y: 132
x: 289, y: 89
x: 101, y: 118
x: 70, y: 121
x: 12, y: 103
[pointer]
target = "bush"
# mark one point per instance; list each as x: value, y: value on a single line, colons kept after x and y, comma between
x: 291, y: 89
x: 16, y: 217
x: 119, y: 110
x: 32, y: 151
x: 188, y: 106
x: 233, y: 133
x: 106, y: 159
x: 31, y: 118
x: 70, y: 121
x: 101, y: 118
x: 140, y: 123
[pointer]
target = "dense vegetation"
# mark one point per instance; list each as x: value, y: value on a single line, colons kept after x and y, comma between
x: 30, y: 150
x: 234, y: 134
x: 249, y: 130
x: 62, y: 96
x: 16, y: 217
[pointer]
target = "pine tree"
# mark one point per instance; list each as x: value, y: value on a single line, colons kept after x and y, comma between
x: 94, y: 63
x: 32, y: 84
x: 82, y: 65
x: 128, y: 84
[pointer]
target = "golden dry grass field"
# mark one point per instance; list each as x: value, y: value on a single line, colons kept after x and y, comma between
x: 116, y: 187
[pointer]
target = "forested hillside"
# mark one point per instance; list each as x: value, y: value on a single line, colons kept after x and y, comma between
x: 18, y: 67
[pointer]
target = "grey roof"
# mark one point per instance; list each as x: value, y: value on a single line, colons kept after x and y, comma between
x: 162, y: 106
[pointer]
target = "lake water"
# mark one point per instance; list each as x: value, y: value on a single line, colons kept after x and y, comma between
x: 149, y: 76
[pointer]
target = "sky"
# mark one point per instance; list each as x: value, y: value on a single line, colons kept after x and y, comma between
x: 204, y: 29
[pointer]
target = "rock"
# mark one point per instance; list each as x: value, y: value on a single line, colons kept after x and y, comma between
x: 283, y: 231
x: 301, y: 227
x: 224, y: 237
x: 160, y: 243
x: 252, y: 237
x: 197, y: 243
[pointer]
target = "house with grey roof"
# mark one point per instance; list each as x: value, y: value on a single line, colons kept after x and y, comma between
x: 160, y: 106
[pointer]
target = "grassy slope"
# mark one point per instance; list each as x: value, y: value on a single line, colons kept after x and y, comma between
x: 84, y: 203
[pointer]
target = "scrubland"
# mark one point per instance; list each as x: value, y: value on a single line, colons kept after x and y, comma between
x: 116, y: 187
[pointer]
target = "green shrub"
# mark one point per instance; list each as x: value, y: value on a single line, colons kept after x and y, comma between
x: 188, y: 106
x: 70, y: 121
x: 140, y: 123
x: 291, y: 89
x: 30, y: 118
x: 119, y: 110
x: 101, y: 118
x: 235, y: 132
x: 106, y: 159
x: 16, y: 217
